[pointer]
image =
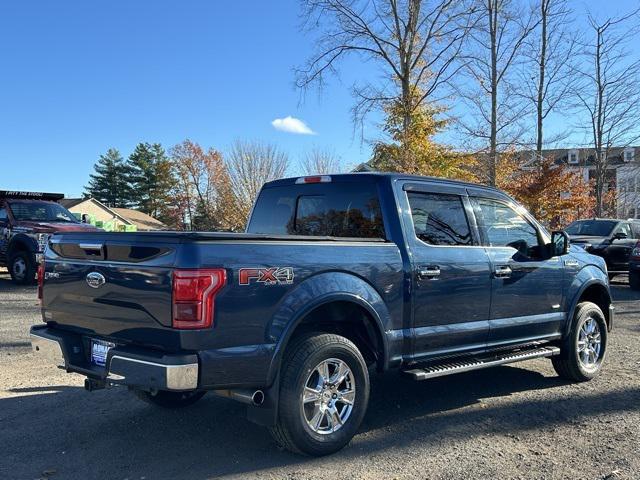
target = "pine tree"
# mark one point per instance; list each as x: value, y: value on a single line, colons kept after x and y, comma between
x: 109, y: 183
x: 152, y: 180
x: 411, y: 147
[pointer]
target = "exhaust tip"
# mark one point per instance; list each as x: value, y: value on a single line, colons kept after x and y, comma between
x: 257, y: 398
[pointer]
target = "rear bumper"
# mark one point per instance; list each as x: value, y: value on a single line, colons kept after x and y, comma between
x: 135, y: 367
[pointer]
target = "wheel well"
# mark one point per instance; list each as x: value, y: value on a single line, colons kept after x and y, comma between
x: 17, y: 246
x: 598, y: 294
x: 351, y: 321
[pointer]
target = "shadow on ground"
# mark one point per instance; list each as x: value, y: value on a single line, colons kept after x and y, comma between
x: 109, y: 434
x: 7, y: 285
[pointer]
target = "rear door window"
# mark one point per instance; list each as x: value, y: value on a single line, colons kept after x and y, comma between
x: 335, y: 209
x: 439, y: 219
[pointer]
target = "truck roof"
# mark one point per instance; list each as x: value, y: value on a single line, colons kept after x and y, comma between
x: 16, y: 195
x: 388, y: 175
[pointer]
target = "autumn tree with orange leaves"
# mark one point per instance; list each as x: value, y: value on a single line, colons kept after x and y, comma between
x: 553, y: 194
x: 203, y: 195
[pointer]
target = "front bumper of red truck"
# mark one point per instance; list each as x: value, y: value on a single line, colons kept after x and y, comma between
x: 140, y: 368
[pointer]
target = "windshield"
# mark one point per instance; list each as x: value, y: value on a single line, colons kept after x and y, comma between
x: 591, y: 228
x: 41, y: 212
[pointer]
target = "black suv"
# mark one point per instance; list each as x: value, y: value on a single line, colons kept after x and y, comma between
x: 611, y: 239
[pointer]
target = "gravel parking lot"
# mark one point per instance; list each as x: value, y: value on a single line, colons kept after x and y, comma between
x: 516, y: 422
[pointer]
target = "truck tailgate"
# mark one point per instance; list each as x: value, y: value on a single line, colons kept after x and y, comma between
x: 116, y: 286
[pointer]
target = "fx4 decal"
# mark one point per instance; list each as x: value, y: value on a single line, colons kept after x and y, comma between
x: 266, y: 276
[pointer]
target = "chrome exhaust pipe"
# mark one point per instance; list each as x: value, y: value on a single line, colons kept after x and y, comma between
x: 249, y: 397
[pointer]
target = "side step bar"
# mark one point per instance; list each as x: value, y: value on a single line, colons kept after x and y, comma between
x: 466, y: 365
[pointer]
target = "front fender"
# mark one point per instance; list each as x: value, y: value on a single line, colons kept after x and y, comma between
x: 22, y: 240
x: 319, y: 290
x: 586, y: 277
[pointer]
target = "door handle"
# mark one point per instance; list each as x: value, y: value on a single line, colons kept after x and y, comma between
x: 429, y: 273
x: 502, y: 271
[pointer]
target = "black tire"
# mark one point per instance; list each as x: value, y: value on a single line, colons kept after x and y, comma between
x: 22, y: 268
x: 292, y: 431
x: 634, y: 280
x: 167, y: 399
x: 569, y: 364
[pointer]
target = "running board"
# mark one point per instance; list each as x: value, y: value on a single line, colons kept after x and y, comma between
x: 467, y: 365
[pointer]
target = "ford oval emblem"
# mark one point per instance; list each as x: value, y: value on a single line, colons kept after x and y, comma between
x: 95, y: 280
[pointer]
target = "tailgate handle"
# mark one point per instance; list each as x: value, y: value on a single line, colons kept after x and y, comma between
x: 96, y: 247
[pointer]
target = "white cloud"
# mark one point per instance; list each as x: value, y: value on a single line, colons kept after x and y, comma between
x: 292, y: 125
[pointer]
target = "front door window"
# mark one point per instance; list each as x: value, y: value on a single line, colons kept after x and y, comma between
x: 504, y: 227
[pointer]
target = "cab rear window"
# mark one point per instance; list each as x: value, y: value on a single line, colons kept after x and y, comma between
x: 336, y: 210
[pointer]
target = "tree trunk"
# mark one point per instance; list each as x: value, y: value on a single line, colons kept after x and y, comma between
x: 544, y: 5
x: 601, y: 167
x: 493, y: 146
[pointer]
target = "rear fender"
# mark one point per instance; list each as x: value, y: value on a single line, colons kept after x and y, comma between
x: 319, y: 290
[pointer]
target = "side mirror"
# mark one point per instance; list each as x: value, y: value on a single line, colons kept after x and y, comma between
x: 559, y: 243
x: 620, y: 236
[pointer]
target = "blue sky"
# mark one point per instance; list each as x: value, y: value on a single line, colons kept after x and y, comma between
x: 79, y: 77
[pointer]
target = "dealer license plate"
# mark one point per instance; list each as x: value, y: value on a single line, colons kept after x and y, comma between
x: 99, y: 350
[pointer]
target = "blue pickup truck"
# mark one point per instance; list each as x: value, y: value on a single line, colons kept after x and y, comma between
x: 336, y: 277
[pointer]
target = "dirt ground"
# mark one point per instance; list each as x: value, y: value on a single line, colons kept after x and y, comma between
x: 511, y: 422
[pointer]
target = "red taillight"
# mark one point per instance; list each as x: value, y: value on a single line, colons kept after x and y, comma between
x: 40, y: 280
x: 194, y: 292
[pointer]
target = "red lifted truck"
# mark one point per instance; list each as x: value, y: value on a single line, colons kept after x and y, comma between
x: 26, y: 221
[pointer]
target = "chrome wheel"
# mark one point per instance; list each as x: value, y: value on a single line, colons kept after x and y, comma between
x: 328, y: 396
x: 19, y: 268
x: 589, y: 343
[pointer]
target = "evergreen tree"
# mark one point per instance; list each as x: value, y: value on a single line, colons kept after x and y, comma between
x: 109, y: 183
x: 411, y: 147
x: 152, y: 180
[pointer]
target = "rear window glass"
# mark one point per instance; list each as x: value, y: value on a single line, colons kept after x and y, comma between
x: 336, y: 210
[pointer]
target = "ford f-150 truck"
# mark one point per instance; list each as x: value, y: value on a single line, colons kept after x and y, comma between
x: 26, y: 221
x: 336, y: 277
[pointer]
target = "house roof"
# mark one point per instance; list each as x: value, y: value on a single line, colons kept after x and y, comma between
x: 140, y: 219
x: 586, y: 156
x: 125, y: 215
x: 71, y: 202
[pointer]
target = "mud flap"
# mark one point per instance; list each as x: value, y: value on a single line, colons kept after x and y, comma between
x: 266, y: 414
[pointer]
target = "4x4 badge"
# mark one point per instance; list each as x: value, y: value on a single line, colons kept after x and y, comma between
x: 266, y: 276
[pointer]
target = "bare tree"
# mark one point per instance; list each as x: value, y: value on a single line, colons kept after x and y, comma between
x: 251, y: 165
x: 321, y: 161
x: 497, y: 110
x: 553, y: 51
x: 609, y: 92
x: 416, y: 44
